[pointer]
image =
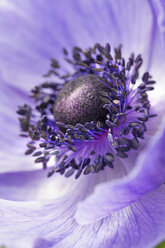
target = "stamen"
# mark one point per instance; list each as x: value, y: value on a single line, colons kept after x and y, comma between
x: 96, y: 115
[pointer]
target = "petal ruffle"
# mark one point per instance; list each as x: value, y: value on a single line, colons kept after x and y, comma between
x: 148, y: 174
x: 140, y: 225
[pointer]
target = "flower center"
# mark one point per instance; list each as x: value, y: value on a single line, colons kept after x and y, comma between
x: 80, y: 101
x: 96, y: 114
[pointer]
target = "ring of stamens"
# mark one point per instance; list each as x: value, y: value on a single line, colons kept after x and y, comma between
x: 88, y: 144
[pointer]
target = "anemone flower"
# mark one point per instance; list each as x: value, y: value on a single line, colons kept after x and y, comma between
x: 92, y: 129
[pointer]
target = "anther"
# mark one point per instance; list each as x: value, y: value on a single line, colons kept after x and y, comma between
x: 93, y: 117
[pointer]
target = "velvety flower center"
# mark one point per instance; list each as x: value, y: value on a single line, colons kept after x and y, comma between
x: 80, y: 101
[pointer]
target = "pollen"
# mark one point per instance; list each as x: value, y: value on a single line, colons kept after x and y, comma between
x: 116, y: 101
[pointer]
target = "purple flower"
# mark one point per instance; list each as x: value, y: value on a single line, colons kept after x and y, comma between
x: 120, y: 206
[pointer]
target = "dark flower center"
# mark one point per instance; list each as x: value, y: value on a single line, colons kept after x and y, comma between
x: 80, y: 101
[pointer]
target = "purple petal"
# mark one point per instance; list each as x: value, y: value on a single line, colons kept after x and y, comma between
x: 33, y: 185
x: 34, y: 31
x: 157, y: 46
x: 148, y: 174
x: 33, y: 217
x: 43, y: 243
x: 12, y: 145
x: 141, y: 225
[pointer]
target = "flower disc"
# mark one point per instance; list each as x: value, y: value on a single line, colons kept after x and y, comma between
x: 80, y: 101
